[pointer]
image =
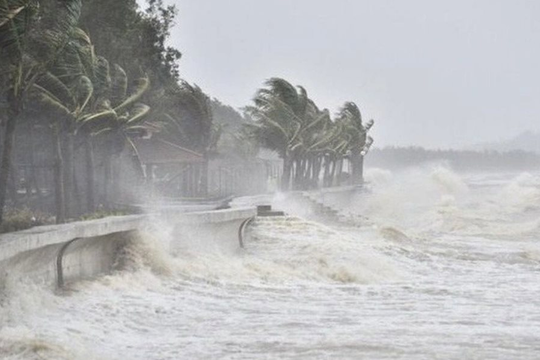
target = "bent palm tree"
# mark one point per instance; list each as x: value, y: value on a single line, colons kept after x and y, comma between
x: 120, y: 119
x: 193, y: 126
x: 28, y: 46
x: 65, y: 103
x: 359, y: 142
x: 66, y: 92
x: 280, y: 112
x: 90, y: 99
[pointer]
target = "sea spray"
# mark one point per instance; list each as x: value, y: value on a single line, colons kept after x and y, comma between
x: 21, y: 302
x: 430, y: 285
x: 309, y: 251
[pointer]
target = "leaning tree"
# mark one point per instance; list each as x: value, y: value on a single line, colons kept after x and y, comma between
x: 359, y: 142
x: 119, y: 119
x: 189, y: 121
x: 30, y: 41
x: 280, y: 111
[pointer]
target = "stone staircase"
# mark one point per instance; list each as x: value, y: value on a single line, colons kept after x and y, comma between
x: 319, y: 211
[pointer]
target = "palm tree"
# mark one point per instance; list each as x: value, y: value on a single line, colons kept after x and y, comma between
x: 66, y: 92
x: 311, y: 144
x: 316, y: 140
x: 90, y: 100
x: 359, y: 142
x: 335, y: 151
x: 288, y: 122
x: 193, y: 126
x: 63, y: 104
x: 120, y: 119
x: 28, y: 46
x: 280, y: 111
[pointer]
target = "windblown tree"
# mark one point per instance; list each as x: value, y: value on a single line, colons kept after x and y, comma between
x: 86, y: 98
x: 65, y: 93
x: 336, y: 151
x: 359, y: 142
x: 135, y: 39
x: 311, y: 145
x: 29, y: 44
x: 119, y: 119
x: 279, y: 112
x: 288, y: 122
x: 190, y: 123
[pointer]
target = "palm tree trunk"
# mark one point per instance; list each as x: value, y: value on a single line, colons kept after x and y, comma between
x: 204, y: 177
x: 339, y: 171
x: 286, y: 175
x: 326, y: 176
x: 69, y: 149
x: 115, y: 180
x: 12, y: 186
x: 107, y: 172
x: 90, y: 174
x: 317, y: 172
x: 304, y: 167
x: 77, y: 202
x: 28, y: 186
x: 357, y: 169
x: 306, y: 174
x: 197, y: 180
x: 5, y: 166
x: 332, y: 173
x: 33, y: 177
x: 106, y: 180
x: 59, y: 178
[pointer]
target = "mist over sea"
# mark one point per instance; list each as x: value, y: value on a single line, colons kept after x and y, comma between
x: 443, y: 266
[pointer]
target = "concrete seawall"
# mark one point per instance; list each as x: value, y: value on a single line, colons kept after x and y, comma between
x: 59, y: 254
x: 318, y: 205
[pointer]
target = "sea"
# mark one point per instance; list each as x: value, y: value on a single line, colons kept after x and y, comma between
x: 434, y: 265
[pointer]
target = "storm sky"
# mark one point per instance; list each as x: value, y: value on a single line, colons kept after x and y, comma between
x: 432, y: 73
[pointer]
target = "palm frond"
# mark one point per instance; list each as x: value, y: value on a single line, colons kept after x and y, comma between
x: 142, y: 85
x: 138, y: 114
x: 119, y: 84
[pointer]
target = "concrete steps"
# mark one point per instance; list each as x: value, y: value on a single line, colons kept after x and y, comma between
x: 326, y: 213
x: 266, y: 211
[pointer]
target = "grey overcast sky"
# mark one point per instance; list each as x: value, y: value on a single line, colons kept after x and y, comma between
x: 430, y: 72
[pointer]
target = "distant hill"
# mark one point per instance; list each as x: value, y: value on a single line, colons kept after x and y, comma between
x: 526, y: 141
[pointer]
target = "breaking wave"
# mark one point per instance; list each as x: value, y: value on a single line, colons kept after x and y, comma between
x: 431, y: 242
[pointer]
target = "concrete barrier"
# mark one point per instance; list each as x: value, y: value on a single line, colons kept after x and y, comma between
x: 60, y: 254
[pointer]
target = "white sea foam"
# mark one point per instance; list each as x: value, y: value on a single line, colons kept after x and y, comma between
x: 444, y: 270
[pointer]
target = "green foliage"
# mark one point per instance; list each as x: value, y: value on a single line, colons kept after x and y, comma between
x: 30, y: 43
x: 190, y: 120
x: 100, y: 214
x: 288, y: 122
x: 227, y: 116
x: 134, y: 39
x: 351, y: 118
x: 21, y: 219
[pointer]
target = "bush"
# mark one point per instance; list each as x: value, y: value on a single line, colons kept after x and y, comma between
x: 21, y: 219
x: 100, y: 214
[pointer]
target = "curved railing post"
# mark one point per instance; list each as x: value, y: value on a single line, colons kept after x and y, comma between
x: 60, y: 265
x: 242, y: 229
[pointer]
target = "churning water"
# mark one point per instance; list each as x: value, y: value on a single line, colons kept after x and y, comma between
x: 444, y: 267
